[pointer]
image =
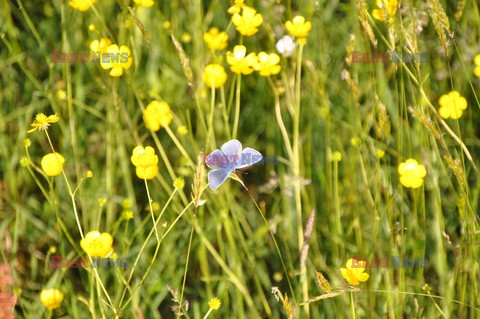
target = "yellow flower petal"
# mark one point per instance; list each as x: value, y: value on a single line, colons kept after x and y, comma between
x: 51, y: 298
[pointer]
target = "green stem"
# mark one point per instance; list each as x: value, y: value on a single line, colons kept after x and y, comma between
x: 296, y: 172
x: 211, y: 131
x: 296, y: 148
x: 208, y: 313
x: 280, y: 122
x: 72, y: 195
x: 237, y: 105
x: 188, y: 255
x: 352, y: 306
x: 151, y: 209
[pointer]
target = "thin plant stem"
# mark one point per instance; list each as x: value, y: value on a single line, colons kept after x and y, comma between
x: 296, y: 171
x: 151, y: 208
x: 208, y: 313
x: 280, y: 122
x: 179, y: 146
x: 188, y: 255
x: 237, y: 105
x: 72, y: 195
x: 352, y: 306
x: 211, y: 132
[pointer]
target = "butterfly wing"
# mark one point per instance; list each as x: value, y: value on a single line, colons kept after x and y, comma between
x: 232, y: 149
x: 216, y: 177
x: 248, y: 157
x: 215, y: 160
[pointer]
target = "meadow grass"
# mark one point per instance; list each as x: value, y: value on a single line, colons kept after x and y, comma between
x: 339, y: 130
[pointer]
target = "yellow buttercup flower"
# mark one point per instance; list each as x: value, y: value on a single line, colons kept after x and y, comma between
x: 156, y: 115
x: 82, y: 5
x: 144, y: 3
x: 354, y: 275
x: 379, y: 14
x: 147, y: 172
x: 52, y: 164
x: 145, y: 161
x: 179, y: 183
x: 247, y: 23
x: 336, y: 156
x: 144, y: 157
x: 267, y: 64
x: 116, y: 59
x: 96, y: 244
x: 167, y: 24
x: 452, y: 105
x: 236, y: 7
x: 214, y: 75
x: 42, y: 122
x: 299, y: 28
x: 99, y: 46
x: 411, y: 173
x: 182, y: 130
x: 51, y: 298
x: 214, y: 303
x: 239, y: 63
x: 186, y: 37
x: 215, y: 39
x: 477, y: 65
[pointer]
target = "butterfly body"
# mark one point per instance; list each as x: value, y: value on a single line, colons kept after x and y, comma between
x: 227, y: 159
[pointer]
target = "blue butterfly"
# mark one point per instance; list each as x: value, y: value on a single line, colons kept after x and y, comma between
x: 225, y: 161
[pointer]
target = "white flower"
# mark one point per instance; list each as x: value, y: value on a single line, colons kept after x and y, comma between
x: 286, y: 45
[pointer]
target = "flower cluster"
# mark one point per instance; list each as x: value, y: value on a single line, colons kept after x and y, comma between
x: 247, y: 20
x: 97, y: 244
x: 411, y: 173
x: 145, y: 161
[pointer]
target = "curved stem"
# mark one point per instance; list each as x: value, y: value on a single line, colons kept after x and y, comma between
x: 280, y: 122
